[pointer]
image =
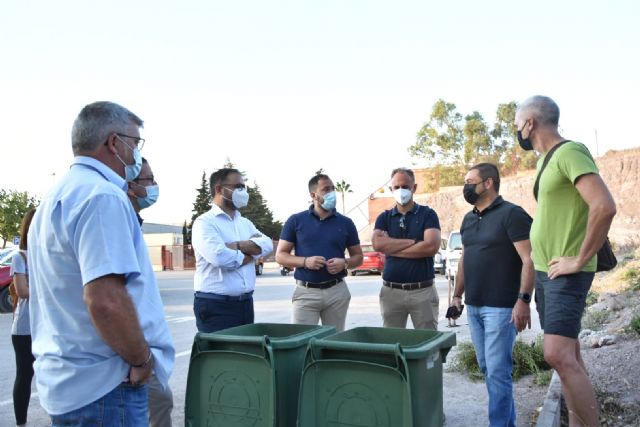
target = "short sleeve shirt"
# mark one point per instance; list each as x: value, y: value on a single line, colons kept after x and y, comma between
x: 313, y: 236
x: 20, y: 324
x: 411, y: 225
x: 560, y: 223
x: 488, y: 238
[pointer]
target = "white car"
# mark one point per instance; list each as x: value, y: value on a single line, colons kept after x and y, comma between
x: 453, y: 254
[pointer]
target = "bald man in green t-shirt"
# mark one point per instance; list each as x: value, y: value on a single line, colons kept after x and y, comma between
x: 575, y: 210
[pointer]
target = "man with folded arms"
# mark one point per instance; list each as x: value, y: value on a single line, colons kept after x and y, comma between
x: 409, y: 236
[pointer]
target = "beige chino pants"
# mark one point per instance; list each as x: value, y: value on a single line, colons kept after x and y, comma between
x: 328, y: 305
x: 421, y: 304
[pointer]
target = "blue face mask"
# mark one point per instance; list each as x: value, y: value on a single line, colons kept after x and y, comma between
x: 329, y: 202
x: 131, y: 172
x: 153, y: 191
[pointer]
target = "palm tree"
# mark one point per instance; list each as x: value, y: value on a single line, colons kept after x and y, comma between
x: 342, y: 187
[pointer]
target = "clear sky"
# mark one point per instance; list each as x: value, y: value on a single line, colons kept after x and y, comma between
x: 283, y: 88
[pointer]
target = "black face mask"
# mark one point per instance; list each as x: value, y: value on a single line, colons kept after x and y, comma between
x: 526, y: 144
x: 469, y: 193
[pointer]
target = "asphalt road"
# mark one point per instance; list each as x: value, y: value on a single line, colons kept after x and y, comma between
x: 273, y: 305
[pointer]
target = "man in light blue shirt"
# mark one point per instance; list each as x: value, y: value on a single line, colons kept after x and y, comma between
x: 97, y: 320
x: 226, y: 245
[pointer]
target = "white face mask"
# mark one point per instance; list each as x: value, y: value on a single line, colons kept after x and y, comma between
x: 402, y: 196
x: 239, y: 198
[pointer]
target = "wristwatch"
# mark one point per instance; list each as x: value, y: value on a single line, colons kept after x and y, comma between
x: 525, y: 296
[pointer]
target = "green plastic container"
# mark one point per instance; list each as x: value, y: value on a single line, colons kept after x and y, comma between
x: 374, y: 377
x: 248, y: 375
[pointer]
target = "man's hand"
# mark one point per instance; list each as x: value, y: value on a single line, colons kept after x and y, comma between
x: 247, y: 260
x: 139, y: 376
x: 457, y: 303
x: 521, y: 315
x: 315, y: 262
x: 336, y: 265
x: 561, y: 266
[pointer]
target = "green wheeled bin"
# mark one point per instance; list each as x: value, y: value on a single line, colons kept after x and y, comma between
x: 374, y: 377
x: 248, y: 375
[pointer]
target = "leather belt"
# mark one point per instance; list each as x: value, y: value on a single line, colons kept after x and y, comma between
x: 319, y: 285
x: 408, y: 286
x: 218, y: 297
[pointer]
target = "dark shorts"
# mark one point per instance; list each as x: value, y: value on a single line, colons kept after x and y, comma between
x: 560, y: 302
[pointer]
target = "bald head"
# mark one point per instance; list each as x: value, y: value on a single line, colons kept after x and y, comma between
x: 542, y: 109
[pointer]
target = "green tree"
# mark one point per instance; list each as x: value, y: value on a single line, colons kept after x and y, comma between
x: 186, y: 235
x: 478, y: 143
x: 13, y: 206
x: 342, y: 187
x: 260, y: 215
x: 512, y: 157
x: 440, y: 140
x: 202, y: 203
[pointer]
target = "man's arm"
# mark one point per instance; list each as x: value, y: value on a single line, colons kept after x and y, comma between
x: 381, y: 242
x: 428, y: 247
x: 208, y: 243
x: 521, y: 314
x: 602, y: 209
x: 336, y: 265
x: 458, y: 291
x: 284, y: 257
x: 114, y: 317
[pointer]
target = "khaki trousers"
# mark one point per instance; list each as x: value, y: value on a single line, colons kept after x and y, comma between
x: 329, y: 305
x: 160, y: 403
x: 421, y: 304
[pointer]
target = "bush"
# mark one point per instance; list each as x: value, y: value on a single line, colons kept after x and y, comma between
x: 594, y: 320
x: 543, y: 378
x: 528, y: 358
x: 592, y: 297
x: 634, y: 325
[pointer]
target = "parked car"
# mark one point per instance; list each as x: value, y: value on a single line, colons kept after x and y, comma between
x: 453, y: 254
x: 6, y: 255
x: 439, y: 259
x: 372, y: 262
x: 259, y: 266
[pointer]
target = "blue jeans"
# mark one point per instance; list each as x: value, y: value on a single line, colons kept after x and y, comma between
x: 124, y: 406
x: 493, y: 337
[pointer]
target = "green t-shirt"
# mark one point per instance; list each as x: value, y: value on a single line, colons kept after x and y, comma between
x: 560, y: 223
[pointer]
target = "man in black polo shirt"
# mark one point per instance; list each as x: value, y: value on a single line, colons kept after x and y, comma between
x: 320, y: 236
x: 409, y: 236
x: 496, y: 274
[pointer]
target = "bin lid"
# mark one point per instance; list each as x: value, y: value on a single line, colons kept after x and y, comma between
x: 341, y: 393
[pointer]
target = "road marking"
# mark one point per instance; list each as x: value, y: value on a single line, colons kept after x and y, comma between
x: 171, y: 319
x: 10, y: 401
x: 183, y: 353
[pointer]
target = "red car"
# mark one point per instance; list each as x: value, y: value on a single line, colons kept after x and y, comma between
x: 5, y: 280
x: 373, y: 261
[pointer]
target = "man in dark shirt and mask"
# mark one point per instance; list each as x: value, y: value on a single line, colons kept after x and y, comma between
x: 496, y: 274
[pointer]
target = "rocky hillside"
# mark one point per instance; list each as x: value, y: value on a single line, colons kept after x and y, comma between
x: 619, y: 169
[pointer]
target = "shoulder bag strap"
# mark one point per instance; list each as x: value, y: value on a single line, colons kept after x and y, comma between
x: 544, y: 165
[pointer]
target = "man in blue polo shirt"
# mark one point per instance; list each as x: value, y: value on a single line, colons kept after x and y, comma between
x: 320, y: 236
x: 409, y: 236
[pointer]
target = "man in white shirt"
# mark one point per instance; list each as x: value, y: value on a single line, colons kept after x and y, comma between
x: 226, y: 245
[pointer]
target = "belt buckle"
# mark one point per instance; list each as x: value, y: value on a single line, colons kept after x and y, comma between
x: 407, y: 286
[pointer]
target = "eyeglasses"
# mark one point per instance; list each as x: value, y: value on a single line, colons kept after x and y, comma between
x: 150, y: 179
x: 236, y: 186
x: 403, y: 226
x: 139, y: 141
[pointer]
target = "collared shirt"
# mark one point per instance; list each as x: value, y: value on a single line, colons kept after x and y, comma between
x: 492, y: 266
x: 20, y: 324
x: 219, y: 270
x: 411, y: 225
x: 85, y: 229
x: 314, y: 236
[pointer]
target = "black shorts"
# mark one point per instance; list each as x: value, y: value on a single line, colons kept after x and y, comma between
x: 560, y: 302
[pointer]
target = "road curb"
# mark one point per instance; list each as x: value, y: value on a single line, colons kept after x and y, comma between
x: 550, y: 413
